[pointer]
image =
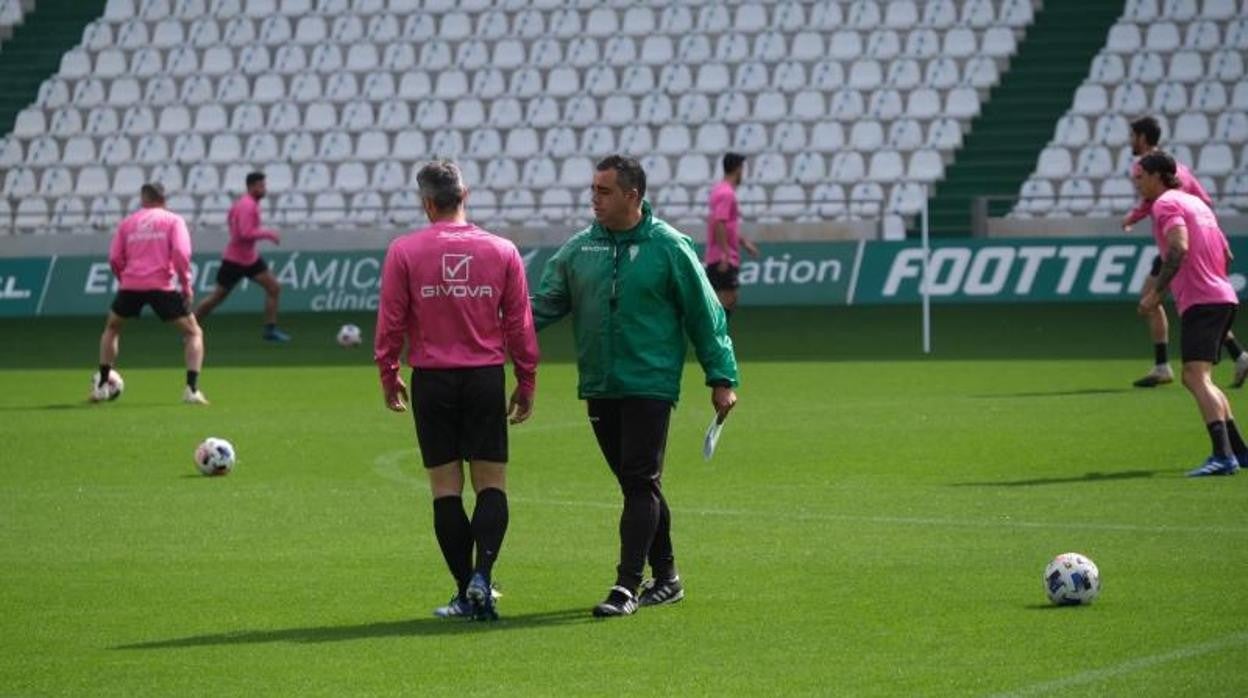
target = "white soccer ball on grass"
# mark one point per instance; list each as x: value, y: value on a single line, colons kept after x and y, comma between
x: 214, y: 457
x: 1072, y: 580
x: 349, y: 336
x: 111, y: 390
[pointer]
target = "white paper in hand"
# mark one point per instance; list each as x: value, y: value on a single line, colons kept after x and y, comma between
x: 712, y: 435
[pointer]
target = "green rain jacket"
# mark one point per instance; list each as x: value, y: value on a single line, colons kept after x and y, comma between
x: 634, y: 296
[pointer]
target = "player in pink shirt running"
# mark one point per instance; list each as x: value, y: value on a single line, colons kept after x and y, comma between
x: 241, y: 259
x: 151, y: 257
x: 723, y: 234
x: 1194, y: 269
x: 1145, y: 135
x: 458, y: 296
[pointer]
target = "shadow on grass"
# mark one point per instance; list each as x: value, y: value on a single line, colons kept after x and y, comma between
x: 1060, y: 393
x: 58, y: 406
x: 84, y: 405
x: 342, y: 633
x: 1052, y: 607
x: 1089, y: 477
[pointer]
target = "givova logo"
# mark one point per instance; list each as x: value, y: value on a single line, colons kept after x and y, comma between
x: 1022, y: 271
x: 455, y: 277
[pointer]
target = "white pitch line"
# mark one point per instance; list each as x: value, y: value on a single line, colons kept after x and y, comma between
x: 388, y: 465
x: 1128, y: 667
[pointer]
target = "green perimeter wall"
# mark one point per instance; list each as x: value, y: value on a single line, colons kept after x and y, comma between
x: 831, y: 273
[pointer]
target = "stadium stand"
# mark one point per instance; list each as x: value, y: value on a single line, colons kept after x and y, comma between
x: 849, y: 109
x: 1179, y: 61
x: 522, y: 92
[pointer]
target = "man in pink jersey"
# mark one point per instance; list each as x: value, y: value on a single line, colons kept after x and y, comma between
x: 151, y: 258
x: 1195, y: 258
x: 459, y: 297
x: 1145, y: 135
x: 241, y: 259
x: 723, y: 234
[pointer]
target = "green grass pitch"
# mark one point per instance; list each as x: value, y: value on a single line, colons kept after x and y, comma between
x: 875, y: 522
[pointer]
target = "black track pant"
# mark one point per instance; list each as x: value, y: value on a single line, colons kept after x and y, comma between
x: 632, y: 433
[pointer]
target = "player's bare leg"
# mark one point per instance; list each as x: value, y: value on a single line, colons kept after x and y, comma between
x: 193, y: 351
x: 209, y: 304
x: 110, y: 339
x: 728, y: 299
x: 1215, y: 412
x: 110, y: 342
x: 272, y: 294
x: 1159, y: 332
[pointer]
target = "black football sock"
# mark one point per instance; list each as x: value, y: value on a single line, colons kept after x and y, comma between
x: 450, y: 525
x: 1220, y: 440
x: 192, y: 380
x: 638, y: 523
x: 1233, y: 349
x: 1237, y: 442
x: 1161, y: 353
x: 105, y: 369
x: 489, y: 526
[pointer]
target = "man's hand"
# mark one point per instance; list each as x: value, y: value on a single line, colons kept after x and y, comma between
x: 1149, y: 302
x: 396, y: 396
x: 723, y: 400
x: 750, y: 247
x: 722, y: 266
x: 520, y: 407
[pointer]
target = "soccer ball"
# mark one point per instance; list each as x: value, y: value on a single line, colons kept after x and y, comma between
x: 111, y: 390
x: 349, y: 336
x: 214, y: 457
x: 1072, y: 579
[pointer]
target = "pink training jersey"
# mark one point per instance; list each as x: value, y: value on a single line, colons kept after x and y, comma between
x: 151, y: 251
x: 1202, y: 278
x: 459, y: 296
x: 1187, y: 183
x: 245, y: 232
x: 724, y: 209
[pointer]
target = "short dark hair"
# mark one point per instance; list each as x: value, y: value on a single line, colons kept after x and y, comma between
x: 441, y: 182
x: 628, y: 172
x: 1149, y: 128
x: 254, y: 177
x: 152, y: 193
x: 1159, y: 162
x: 733, y: 162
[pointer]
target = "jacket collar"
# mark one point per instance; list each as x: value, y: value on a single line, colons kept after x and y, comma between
x: 637, y: 232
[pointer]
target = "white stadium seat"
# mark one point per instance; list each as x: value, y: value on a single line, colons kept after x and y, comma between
x: 1055, y: 163
x: 1215, y: 159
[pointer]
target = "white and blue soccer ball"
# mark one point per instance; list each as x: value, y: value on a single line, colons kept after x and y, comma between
x: 349, y: 336
x: 111, y: 390
x: 214, y: 457
x: 1072, y: 579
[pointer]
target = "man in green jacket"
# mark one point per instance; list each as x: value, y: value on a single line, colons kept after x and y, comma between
x: 635, y: 289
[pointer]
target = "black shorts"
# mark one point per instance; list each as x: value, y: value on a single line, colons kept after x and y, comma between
x: 723, y: 280
x: 231, y: 273
x: 460, y: 413
x: 169, y: 305
x: 1203, y: 329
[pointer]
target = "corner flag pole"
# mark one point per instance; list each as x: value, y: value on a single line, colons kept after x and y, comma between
x: 924, y: 283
